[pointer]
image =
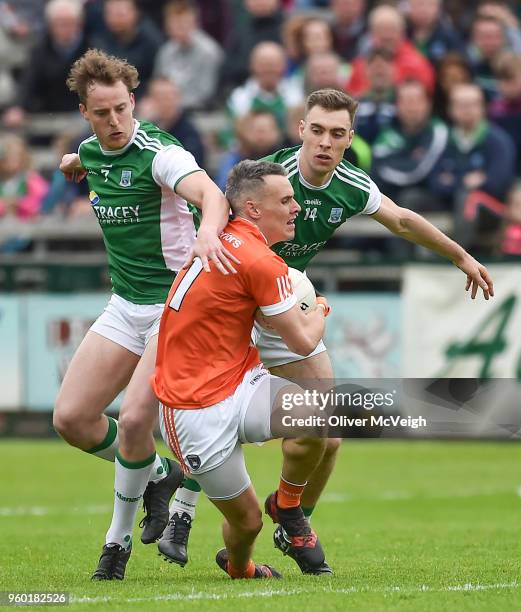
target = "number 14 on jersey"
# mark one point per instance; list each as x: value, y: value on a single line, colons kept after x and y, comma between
x: 311, y: 213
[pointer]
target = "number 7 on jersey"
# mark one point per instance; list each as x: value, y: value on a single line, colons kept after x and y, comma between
x: 188, y: 280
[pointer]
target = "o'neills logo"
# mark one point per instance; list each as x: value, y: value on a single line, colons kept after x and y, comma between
x: 233, y: 240
x: 117, y: 215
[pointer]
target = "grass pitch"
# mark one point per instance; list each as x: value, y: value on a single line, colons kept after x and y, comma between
x: 406, y: 526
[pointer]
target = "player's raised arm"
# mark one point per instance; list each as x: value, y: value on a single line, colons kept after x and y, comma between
x: 407, y: 224
x: 201, y: 191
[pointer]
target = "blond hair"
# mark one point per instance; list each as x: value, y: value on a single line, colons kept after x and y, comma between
x: 95, y: 66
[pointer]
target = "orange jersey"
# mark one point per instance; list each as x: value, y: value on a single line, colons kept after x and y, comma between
x: 204, y: 346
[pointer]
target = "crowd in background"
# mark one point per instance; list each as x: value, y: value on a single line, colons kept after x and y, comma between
x: 439, y: 85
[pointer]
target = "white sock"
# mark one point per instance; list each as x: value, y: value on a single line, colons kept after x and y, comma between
x: 130, y: 483
x: 109, y: 453
x: 184, y: 501
x: 159, y: 469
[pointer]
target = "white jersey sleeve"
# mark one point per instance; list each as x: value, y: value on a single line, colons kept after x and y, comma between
x: 374, y: 200
x: 171, y: 164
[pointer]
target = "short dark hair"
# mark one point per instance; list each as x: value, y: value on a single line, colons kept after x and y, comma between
x: 246, y: 178
x: 332, y: 100
x: 95, y: 66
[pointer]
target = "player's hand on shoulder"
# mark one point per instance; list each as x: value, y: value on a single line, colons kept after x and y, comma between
x: 477, y: 276
x: 210, y: 249
x: 71, y: 167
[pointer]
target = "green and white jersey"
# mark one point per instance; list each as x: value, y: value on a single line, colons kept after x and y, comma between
x: 147, y: 228
x: 349, y: 192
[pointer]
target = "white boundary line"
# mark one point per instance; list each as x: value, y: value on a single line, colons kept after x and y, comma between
x: 7, y: 511
x: 327, y: 498
x: 200, y: 596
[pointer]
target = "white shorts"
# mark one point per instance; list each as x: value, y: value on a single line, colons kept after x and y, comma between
x: 206, y: 441
x: 273, y: 350
x: 127, y: 324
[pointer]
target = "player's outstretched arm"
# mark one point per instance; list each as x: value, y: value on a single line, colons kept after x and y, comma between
x: 201, y: 191
x: 301, y: 332
x: 71, y: 167
x: 407, y: 224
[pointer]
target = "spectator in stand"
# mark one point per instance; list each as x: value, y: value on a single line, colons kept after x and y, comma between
x: 431, y: 31
x: 130, y: 36
x: 304, y: 36
x: 257, y: 135
x: 387, y: 31
x: 21, y: 25
x: 21, y: 18
x: 406, y: 152
x: 478, y: 156
x: 453, y: 69
x: 163, y: 106
x: 191, y: 59
x: 42, y: 86
x: 505, y: 110
x: 263, y: 21
x: 267, y: 89
x: 377, y: 109
x: 21, y: 189
x: 487, y: 41
x: 323, y: 71
x: 215, y: 16
x: 7, y: 66
x: 500, y: 10
x: 510, y: 242
x: 349, y: 26
x: 66, y: 198
x: 23, y: 21
x: 482, y: 215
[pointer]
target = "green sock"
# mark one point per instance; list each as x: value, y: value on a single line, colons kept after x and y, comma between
x: 190, y: 484
x: 308, y: 511
x: 110, y: 444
